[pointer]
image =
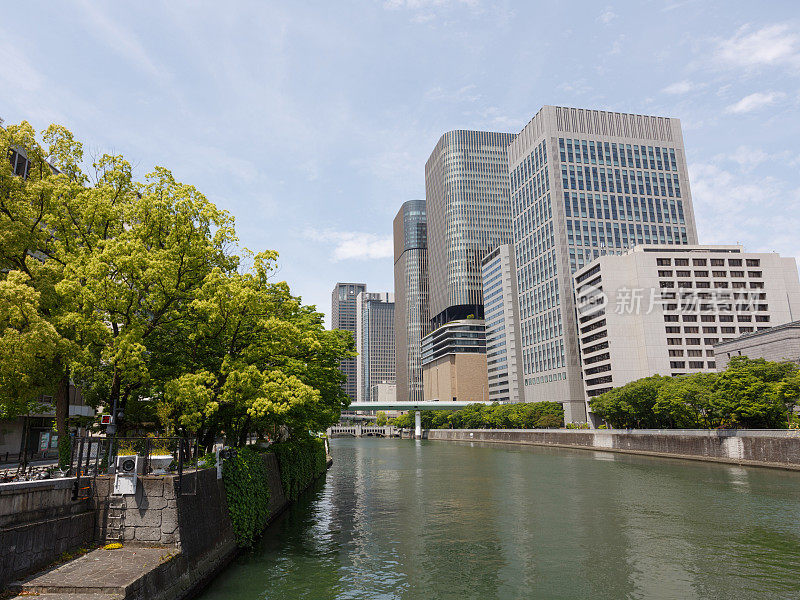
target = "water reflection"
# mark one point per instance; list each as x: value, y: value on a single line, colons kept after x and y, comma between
x: 398, y: 519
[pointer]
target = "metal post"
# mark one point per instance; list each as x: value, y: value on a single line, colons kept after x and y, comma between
x: 417, y: 425
x: 78, y: 472
x: 180, y: 465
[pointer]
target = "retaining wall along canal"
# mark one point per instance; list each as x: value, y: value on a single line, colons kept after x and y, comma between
x: 38, y: 521
x: 757, y: 447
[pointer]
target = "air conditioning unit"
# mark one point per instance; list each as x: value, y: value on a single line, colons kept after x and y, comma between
x: 126, y: 476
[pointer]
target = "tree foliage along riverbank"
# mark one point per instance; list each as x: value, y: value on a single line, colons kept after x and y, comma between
x: 523, y: 415
x: 133, y: 289
x: 748, y: 394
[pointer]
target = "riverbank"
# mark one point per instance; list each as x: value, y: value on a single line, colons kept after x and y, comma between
x: 774, y: 448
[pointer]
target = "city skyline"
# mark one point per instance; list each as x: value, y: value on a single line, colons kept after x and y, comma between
x: 319, y: 128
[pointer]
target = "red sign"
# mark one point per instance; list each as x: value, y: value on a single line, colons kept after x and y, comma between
x: 105, y: 419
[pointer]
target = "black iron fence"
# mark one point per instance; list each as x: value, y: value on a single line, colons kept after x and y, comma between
x: 93, y: 456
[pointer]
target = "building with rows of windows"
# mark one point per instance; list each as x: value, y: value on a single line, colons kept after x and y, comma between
x: 585, y: 183
x: 503, y: 356
x: 343, y: 316
x: 375, y: 343
x: 454, y: 362
x: 469, y: 215
x: 661, y: 309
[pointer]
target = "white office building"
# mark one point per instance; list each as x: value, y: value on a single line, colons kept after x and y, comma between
x: 375, y: 342
x: 503, y: 353
x: 660, y: 309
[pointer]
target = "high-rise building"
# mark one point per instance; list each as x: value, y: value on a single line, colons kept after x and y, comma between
x: 503, y: 353
x: 469, y: 215
x: 412, y: 320
x: 375, y: 363
x: 585, y: 183
x: 343, y: 316
x: 662, y: 310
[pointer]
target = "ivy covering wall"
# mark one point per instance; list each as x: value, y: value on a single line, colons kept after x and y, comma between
x: 301, y: 461
x: 246, y: 482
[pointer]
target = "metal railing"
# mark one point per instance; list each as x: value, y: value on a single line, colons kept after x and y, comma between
x: 93, y: 456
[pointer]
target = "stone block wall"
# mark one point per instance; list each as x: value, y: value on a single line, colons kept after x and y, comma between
x: 148, y: 517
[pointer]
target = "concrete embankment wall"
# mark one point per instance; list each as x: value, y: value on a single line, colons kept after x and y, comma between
x: 38, y: 522
x: 778, y: 448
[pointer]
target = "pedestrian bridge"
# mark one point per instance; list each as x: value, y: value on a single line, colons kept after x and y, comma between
x: 359, y: 430
x: 414, y: 407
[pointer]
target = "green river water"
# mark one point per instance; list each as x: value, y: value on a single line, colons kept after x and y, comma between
x: 408, y: 519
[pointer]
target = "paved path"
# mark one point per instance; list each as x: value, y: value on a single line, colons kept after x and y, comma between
x: 98, y: 575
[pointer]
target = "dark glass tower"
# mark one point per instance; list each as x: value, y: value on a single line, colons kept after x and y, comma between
x: 412, y: 319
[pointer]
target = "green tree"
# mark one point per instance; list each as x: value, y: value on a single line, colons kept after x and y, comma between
x: 132, y: 289
x: 748, y: 393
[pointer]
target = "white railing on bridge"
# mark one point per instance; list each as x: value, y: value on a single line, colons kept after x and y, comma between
x: 359, y: 430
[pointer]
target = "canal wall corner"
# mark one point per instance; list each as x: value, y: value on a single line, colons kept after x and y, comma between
x: 761, y: 448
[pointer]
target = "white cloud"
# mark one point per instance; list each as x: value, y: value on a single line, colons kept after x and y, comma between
x: 607, y: 15
x: 463, y: 94
x: 616, y: 47
x: 120, y: 40
x: 353, y: 245
x: 773, y: 44
x: 576, y: 86
x: 427, y: 4
x: 679, y: 87
x: 737, y: 206
x: 426, y: 11
x: 754, y: 101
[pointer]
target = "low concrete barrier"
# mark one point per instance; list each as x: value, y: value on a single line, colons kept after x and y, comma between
x: 38, y: 522
x: 777, y: 448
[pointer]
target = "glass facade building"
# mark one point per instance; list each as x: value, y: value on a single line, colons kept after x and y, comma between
x: 585, y: 183
x: 343, y: 316
x: 412, y: 319
x: 469, y: 215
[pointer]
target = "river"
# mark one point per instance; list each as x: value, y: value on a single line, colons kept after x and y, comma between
x: 438, y: 520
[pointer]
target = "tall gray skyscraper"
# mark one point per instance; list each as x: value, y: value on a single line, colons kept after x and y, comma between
x: 343, y: 316
x: 375, y: 363
x: 469, y: 215
x: 585, y: 183
x: 411, y: 316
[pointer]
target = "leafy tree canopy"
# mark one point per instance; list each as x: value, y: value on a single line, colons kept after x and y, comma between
x: 748, y: 394
x: 134, y: 290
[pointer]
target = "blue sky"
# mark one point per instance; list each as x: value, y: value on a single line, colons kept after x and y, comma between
x: 311, y: 121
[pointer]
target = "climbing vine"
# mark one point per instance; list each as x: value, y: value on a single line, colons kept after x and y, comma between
x: 247, y: 491
x: 301, y: 461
